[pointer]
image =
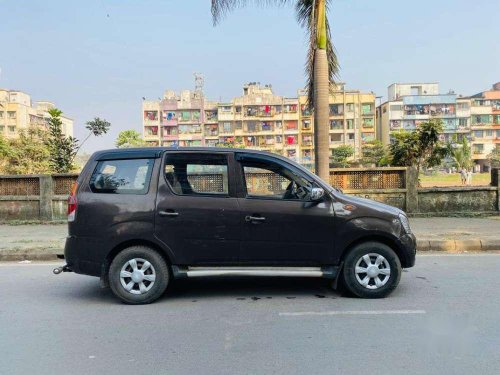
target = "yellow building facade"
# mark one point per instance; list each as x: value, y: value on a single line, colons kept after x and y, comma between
x: 17, y: 114
x: 259, y: 119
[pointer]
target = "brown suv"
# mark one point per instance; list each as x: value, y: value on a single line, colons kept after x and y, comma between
x: 140, y: 217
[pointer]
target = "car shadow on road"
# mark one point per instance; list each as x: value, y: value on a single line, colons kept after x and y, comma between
x: 250, y: 288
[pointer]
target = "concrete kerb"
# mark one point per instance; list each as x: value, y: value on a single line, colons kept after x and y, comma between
x: 458, y: 245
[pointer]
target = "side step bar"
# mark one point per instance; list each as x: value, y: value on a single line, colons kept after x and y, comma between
x: 327, y: 272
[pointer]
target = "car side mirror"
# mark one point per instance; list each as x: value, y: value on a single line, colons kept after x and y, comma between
x: 317, y: 193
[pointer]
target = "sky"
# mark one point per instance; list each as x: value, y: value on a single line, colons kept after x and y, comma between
x: 98, y: 58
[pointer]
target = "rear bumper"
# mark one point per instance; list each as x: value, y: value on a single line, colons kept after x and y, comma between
x: 76, y: 256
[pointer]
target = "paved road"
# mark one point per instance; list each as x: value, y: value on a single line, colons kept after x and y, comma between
x: 443, y: 319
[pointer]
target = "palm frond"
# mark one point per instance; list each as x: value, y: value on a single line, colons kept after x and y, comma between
x: 221, y: 7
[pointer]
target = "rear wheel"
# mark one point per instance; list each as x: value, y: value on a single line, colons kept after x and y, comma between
x: 371, y: 270
x: 138, y: 275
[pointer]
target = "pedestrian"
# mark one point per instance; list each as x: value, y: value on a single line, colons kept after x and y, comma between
x: 463, y: 175
x: 469, y: 177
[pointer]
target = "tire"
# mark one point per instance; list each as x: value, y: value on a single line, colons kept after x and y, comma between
x: 142, y: 286
x: 379, y: 280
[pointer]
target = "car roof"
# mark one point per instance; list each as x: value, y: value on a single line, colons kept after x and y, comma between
x: 156, y: 152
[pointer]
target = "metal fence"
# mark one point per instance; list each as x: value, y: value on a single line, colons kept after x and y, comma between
x: 368, y: 179
x: 19, y: 185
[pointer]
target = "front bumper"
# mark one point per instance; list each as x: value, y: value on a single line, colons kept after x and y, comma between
x: 409, y: 247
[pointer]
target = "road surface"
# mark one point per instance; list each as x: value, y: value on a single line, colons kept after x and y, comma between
x: 443, y: 319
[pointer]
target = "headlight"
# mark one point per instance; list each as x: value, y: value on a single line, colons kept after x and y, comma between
x: 405, y: 223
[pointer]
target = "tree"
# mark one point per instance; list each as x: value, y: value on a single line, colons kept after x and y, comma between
x: 29, y: 153
x: 421, y: 148
x: 129, y: 138
x: 5, y: 151
x: 321, y: 66
x: 62, y: 149
x: 339, y: 156
x: 97, y: 128
x: 372, y: 153
x: 494, y: 157
x: 461, y: 154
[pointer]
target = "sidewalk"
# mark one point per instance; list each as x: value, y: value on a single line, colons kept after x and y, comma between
x: 45, y: 241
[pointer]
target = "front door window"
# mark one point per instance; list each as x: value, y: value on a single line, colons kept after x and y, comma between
x: 273, y: 181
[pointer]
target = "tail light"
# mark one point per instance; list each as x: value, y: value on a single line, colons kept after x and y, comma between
x: 72, y: 204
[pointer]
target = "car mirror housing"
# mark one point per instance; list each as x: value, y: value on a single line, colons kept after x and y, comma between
x: 317, y: 193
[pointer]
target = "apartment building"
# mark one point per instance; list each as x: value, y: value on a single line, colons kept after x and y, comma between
x: 410, y: 104
x: 485, y: 123
x: 476, y: 117
x: 259, y: 119
x: 17, y: 113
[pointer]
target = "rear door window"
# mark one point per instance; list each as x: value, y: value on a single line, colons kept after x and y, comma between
x: 197, y: 174
x: 131, y: 176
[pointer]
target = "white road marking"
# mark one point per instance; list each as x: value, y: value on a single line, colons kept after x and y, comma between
x: 16, y: 264
x: 360, y: 312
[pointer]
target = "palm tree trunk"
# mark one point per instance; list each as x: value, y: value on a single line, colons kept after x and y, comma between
x: 321, y: 115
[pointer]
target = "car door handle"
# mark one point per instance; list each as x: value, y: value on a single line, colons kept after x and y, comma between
x: 249, y: 218
x: 168, y: 213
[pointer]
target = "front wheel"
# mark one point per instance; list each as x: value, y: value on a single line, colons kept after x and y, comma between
x: 138, y: 275
x: 371, y: 270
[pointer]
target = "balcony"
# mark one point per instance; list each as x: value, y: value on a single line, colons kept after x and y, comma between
x: 170, y: 137
x: 172, y: 122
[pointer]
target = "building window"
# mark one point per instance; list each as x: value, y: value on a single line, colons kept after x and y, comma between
x: 336, y: 124
x: 478, y: 149
x: 489, y: 133
x: 151, y: 115
x: 368, y: 123
x: 2, y: 128
x: 336, y: 138
x: 336, y: 109
x: 349, y: 107
x: 1, y: 114
x: 226, y: 127
x: 12, y: 129
x: 478, y: 133
x: 481, y: 119
x: 463, y: 122
x: 12, y: 114
x: 463, y: 106
x: 366, y: 109
x: 350, y: 136
x: 350, y: 124
x: 396, y: 107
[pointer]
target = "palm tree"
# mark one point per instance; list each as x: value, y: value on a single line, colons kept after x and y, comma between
x: 321, y: 66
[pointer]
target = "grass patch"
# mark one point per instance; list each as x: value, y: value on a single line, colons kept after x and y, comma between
x: 453, y: 179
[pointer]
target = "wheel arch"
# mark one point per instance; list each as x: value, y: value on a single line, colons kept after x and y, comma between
x: 391, y: 242
x: 129, y: 243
